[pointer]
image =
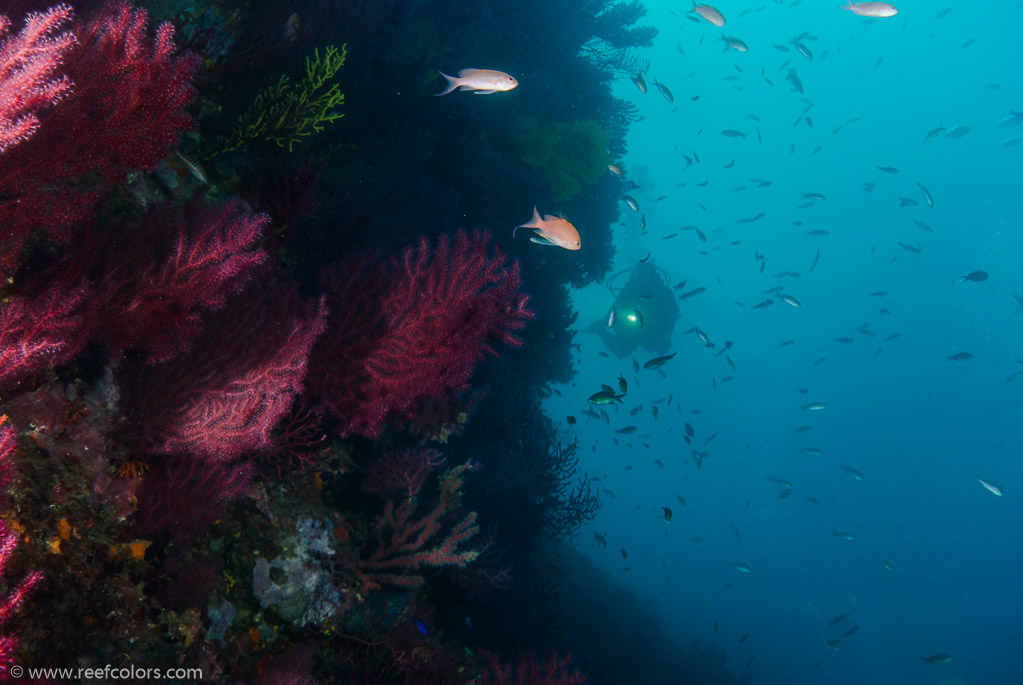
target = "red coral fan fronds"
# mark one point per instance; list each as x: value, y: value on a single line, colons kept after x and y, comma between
x: 185, y: 497
x: 15, y: 597
x: 554, y: 670
x: 40, y: 330
x: 404, y: 545
x: 127, y: 108
x: 133, y: 89
x: 226, y: 396
x: 7, y: 447
x: 407, y: 330
x: 176, y: 264
x: 401, y: 472
x: 28, y: 61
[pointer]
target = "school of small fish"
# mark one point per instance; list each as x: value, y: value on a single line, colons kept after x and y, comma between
x: 694, y: 446
x: 609, y: 402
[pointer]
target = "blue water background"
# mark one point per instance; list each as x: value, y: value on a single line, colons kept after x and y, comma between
x: 920, y: 428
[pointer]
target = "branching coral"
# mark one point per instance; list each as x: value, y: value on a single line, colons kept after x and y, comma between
x: 286, y: 113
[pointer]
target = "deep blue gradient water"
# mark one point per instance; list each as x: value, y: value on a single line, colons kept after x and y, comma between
x: 920, y: 428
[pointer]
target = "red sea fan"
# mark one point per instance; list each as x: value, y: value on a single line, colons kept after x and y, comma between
x: 126, y: 111
x: 554, y: 670
x: 407, y: 330
x: 177, y: 263
x: 401, y: 472
x: 40, y: 330
x: 225, y: 397
x: 27, y: 65
x: 185, y: 497
x: 16, y: 594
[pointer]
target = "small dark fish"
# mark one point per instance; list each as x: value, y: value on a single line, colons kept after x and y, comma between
x: 628, y: 430
x: 803, y: 50
x: 852, y: 631
x: 691, y: 293
x: 658, y: 362
x: 625, y: 555
x: 732, y: 133
x: 960, y: 357
x: 939, y: 658
x: 623, y: 384
x: 910, y: 248
x: 690, y: 431
x: 640, y: 82
x: 763, y: 305
x: 933, y: 133
x: 833, y: 642
x: 571, y: 420
x: 604, y: 397
x: 844, y: 339
x: 976, y: 276
x: 743, y: 638
x: 751, y: 219
x: 600, y: 540
x: 667, y: 514
x: 841, y: 618
x: 888, y: 169
x: 664, y: 91
x: 957, y: 132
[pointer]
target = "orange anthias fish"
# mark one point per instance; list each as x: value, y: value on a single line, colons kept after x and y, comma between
x: 482, y: 81
x: 553, y: 230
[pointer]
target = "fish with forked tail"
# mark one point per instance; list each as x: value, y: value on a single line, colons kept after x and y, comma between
x: 480, y: 81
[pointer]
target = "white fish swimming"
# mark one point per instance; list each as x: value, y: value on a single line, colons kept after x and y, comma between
x: 990, y: 487
x: 482, y: 81
x: 709, y: 13
x: 871, y: 9
x: 927, y: 194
